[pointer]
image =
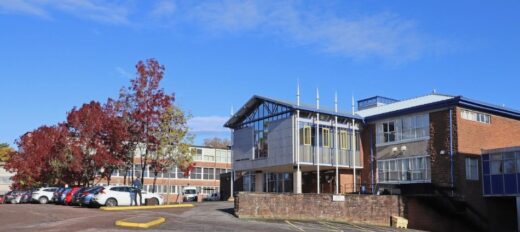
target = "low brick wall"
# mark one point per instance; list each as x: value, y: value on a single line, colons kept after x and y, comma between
x: 369, y: 209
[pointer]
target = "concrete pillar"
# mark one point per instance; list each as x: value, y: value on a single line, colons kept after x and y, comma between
x: 297, y: 181
x: 259, y: 182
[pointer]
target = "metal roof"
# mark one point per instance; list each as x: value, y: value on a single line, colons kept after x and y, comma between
x: 256, y: 100
x: 404, y: 104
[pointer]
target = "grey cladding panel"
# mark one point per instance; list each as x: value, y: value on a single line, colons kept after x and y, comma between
x: 280, y: 142
x: 243, y: 144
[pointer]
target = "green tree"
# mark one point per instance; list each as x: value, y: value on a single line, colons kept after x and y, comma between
x: 173, y: 142
x: 5, y: 149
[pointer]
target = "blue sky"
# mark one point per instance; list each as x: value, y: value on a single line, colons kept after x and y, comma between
x: 55, y: 55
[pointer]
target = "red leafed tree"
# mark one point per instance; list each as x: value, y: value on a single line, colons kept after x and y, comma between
x: 97, y: 138
x: 43, y: 157
x: 145, y: 101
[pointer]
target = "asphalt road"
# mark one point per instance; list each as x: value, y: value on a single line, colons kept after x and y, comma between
x: 207, y: 216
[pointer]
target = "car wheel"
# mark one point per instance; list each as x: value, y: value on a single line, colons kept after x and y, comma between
x: 43, y: 200
x: 111, y: 202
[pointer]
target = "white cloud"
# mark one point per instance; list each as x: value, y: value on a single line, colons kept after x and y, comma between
x: 21, y: 6
x: 96, y: 10
x: 124, y: 73
x: 383, y: 35
x: 164, y: 8
x: 208, y: 124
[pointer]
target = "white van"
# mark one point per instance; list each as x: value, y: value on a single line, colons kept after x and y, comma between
x: 190, y: 193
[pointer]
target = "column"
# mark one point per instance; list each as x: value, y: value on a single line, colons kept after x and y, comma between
x: 297, y: 181
x: 259, y: 182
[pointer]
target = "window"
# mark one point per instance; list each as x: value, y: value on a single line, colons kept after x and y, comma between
x: 509, y: 163
x: 496, y: 163
x: 476, y: 116
x: 343, y: 140
x: 389, y: 132
x: 404, y: 170
x: 471, y: 168
x: 196, y: 173
x: 405, y: 128
x: 209, y: 174
x: 307, y: 135
x: 325, y: 137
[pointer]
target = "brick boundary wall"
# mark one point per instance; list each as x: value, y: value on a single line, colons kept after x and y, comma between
x: 368, y: 209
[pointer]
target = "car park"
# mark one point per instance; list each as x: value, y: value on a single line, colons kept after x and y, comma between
x: 44, y: 195
x: 123, y: 195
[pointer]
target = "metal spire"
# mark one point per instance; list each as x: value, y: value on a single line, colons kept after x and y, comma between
x: 317, y: 98
x: 298, y: 93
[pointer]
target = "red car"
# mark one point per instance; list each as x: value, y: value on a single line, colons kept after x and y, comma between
x: 68, y: 197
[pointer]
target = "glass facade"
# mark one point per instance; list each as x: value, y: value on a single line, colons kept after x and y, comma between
x: 259, y: 120
x: 404, y: 170
x: 403, y: 129
x: 501, y: 173
x: 278, y: 182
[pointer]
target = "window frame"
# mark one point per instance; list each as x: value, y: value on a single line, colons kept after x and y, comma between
x: 325, y: 131
x: 472, y: 168
x: 307, y: 135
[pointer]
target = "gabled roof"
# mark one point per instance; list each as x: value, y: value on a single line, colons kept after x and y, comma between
x: 254, y: 101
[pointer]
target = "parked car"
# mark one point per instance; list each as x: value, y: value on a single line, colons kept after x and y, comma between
x: 61, y: 196
x: 2, y: 199
x: 70, y: 194
x: 213, y: 197
x: 26, y: 196
x: 123, y: 195
x: 77, y: 195
x: 17, y: 196
x: 44, y: 195
x: 87, y: 196
x: 190, y: 194
x: 10, y: 196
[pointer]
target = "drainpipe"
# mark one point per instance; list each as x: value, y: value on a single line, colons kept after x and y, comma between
x: 371, y: 161
x: 451, y: 150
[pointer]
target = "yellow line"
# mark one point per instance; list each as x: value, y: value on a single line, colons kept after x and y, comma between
x: 331, y: 226
x: 288, y: 222
x: 144, y: 225
x: 119, y: 208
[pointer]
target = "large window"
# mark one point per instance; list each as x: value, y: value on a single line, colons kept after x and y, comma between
x: 209, y: 174
x: 471, y: 168
x: 403, y: 129
x: 389, y: 132
x: 196, y: 173
x: 476, y: 116
x: 404, y: 170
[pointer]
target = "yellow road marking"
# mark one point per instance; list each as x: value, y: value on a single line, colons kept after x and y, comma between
x: 145, y: 225
x: 288, y: 222
x: 119, y: 208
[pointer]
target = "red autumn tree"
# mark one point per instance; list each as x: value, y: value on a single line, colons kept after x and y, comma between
x: 144, y: 102
x: 97, y: 138
x: 43, y: 157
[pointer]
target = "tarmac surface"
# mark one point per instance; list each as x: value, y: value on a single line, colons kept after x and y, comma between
x: 206, y: 216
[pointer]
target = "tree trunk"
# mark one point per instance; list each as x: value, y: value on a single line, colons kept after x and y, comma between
x: 154, y: 181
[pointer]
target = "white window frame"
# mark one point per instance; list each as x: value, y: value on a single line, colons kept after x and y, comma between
x: 472, y: 168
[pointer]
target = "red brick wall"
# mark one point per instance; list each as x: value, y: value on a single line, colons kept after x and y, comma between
x: 368, y: 135
x: 440, y: 141
x: 370, y: 209
x: 474, y: 136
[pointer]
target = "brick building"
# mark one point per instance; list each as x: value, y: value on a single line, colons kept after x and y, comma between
x: 205, y: 176
x: 426, y: 148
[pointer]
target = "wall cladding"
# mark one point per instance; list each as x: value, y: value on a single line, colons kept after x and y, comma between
x: 369, y: 209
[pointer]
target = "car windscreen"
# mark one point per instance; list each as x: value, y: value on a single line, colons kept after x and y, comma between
x: 190, y: 191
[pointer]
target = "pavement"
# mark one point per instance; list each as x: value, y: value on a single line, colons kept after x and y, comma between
x: 205, y: 216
